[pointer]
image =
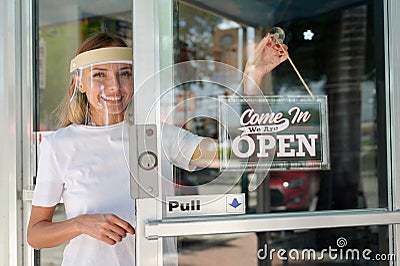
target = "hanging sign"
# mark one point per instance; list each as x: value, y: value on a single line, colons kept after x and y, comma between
x: 273, y: 133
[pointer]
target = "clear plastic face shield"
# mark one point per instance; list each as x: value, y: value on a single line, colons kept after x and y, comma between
x: 102, y: 86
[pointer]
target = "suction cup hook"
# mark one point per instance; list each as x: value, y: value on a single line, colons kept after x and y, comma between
x: 279, y: 37
x: 278, y: 33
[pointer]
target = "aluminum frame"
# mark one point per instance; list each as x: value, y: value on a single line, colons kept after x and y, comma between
x: 392, y: 79
x: 9, y: 106
x: 28, y: 149
x: 268, y: 222
x: 152, y: 25
x: 16, y: 108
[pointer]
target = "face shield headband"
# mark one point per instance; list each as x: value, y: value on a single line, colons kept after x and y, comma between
x: 102, y: 86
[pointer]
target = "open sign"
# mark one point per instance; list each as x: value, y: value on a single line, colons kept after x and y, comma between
x: 273, y: 132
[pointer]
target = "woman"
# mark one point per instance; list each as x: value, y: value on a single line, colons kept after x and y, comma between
x: 83, y: 162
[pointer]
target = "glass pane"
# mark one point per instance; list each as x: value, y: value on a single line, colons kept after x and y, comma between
x: 62, y: 26
x: 338, y: 49
x: 340, y: 246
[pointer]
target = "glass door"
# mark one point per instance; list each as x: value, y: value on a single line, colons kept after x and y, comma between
x: 341, y: 215
x: 344, y: 215
x: 60, y: 27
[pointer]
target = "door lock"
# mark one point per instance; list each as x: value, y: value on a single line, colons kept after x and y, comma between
x: 147, y: 160
x: 143, y: 161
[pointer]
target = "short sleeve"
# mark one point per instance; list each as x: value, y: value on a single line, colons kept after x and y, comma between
x: 49, y: 184
x: 179, y: 145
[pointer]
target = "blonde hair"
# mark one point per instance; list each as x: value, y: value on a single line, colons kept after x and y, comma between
x: 74, y: 110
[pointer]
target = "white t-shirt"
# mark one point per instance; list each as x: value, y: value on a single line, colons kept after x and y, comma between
x: 87, y: 167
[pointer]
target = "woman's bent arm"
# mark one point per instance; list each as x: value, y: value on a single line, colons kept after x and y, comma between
x: 44, y: 233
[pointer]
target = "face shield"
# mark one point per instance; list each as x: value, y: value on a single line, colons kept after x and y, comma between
x: 102, y: 86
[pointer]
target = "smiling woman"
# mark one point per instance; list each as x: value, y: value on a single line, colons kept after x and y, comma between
x: 101, y: 83
x: 108, y: 89
x: 84, y: 163
x: 99, y: 92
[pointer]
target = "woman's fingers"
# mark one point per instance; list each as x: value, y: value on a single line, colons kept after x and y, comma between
x: 263, y: 51
x: 108, y: 228
x: 268, y: 49
x: 261, y: 45
x: 267, y: 54
x: 259, y: 48
x: 128, y: 228
x: 281, y: 48
x: 114, y: 236
x: 106, y: 239
x: 118, y: 230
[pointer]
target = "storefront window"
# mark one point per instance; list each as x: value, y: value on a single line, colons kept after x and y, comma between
x: 338, y: 48
x: 337, y: 51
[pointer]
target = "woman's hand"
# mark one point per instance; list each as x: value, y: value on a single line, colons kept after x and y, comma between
x: 108, y: 228
x: 44, y: 233
x: 267, y: 55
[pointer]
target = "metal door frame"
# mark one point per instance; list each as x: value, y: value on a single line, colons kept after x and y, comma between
x: 392, y: 79
x: 16, y: 112
x: 152, y: 25
x: 152, y: 33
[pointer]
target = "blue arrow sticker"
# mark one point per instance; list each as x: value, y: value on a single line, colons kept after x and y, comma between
x: 235, y: 203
